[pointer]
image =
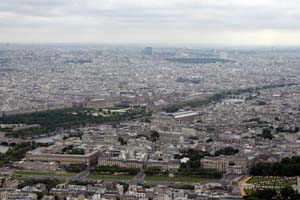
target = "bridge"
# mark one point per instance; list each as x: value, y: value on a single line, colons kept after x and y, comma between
x: 6, y: 141
x: 10, y: 141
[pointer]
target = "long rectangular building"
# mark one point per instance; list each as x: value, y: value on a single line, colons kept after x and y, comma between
x: 228, y: 164
x: 133, y: 163
x: 64, y: 159
x: 107, y: 161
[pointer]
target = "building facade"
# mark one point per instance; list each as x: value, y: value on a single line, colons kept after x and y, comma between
x: 227, y: 164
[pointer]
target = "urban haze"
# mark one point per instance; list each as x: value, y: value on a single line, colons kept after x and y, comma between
x: 149, y: 100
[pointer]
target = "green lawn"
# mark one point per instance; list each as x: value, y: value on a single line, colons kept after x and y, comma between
x: 258, y: 179
x: 34, y: 173
x: 110, y: 176
x: 272, y: 181
x: 176, y: 179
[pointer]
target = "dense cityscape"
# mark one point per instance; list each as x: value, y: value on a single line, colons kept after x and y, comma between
x: 93, y: 122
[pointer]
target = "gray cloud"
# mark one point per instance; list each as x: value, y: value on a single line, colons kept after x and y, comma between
x: 92, y: 16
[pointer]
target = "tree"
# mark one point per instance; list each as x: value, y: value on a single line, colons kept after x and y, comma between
x: 50, y: 121
x: 113, y: 169
x: 147, y: 120
x: 172, y: 109
x: 75, y: 168
x: 265, y: 194
x: 153, y: 171
x: 76, y: 151
x: 227, y: 151
x: 194, y: 156
x: 287, y: 192
x: 209, y: 140
x: 18, y: 151
x: 122, y: 141
x: 154, y: 136
x: 199, y: 172
x: 266, y: 134
x: 287, y: 167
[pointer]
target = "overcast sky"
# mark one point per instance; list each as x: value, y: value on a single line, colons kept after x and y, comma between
x: 232, y: 22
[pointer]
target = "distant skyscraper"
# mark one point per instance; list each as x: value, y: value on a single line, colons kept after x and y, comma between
x: 148, y: 51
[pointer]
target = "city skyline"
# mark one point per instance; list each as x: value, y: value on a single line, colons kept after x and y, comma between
x: 149, y: 99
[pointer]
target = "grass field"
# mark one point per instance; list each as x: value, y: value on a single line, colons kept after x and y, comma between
x: 176, y: 179
x: 266, y: 181
x: 258, y: 179
x: 34, y: 173
x: 110, y: 177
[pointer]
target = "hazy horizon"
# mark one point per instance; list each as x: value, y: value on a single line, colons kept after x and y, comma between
x: 152, y: 44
